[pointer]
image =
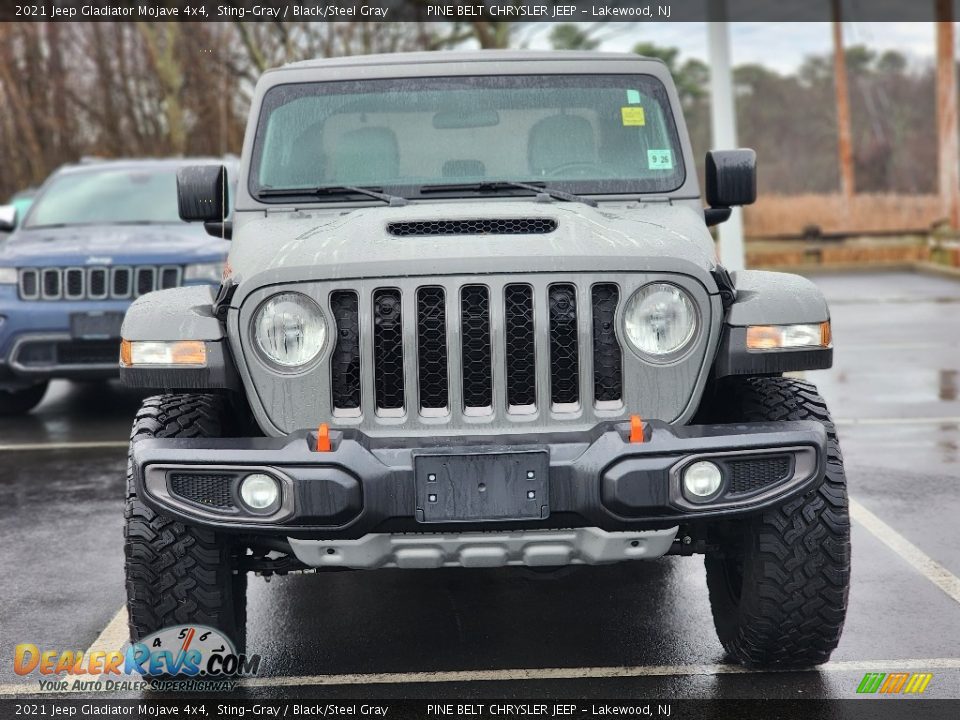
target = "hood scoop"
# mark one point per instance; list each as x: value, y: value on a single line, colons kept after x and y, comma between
x: 479, y: 226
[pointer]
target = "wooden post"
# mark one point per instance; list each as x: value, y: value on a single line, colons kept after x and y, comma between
x: 844, y: 137
x: 948, y: 159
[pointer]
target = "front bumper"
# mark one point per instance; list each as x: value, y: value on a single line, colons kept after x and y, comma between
x: 593, y: 479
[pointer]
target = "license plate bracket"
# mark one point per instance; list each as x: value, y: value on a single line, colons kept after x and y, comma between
x: 95, y: 325
x: 482, y: 486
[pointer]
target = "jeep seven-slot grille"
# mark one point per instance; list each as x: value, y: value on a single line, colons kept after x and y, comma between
x: 441, y: 340
x: 96, y: 283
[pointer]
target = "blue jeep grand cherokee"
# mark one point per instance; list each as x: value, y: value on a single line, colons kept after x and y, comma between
x: 98, y: 235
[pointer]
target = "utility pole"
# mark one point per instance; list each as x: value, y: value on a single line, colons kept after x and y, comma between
x: 948, y: 158
x: 844, y: 136
x: 723, y: 124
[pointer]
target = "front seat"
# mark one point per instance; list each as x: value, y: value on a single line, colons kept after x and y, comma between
x: 559, y: 140
x: 366, y: 155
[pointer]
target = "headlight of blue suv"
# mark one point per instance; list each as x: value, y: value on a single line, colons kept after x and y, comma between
x: 289, y: 330
x: 660, y: 321
x: 208, y: 272
x: 8, y: 276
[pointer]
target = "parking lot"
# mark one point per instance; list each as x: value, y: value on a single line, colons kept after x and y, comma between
x: 632, y: 630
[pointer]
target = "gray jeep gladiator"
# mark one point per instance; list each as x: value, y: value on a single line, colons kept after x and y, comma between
x: 472, y: 316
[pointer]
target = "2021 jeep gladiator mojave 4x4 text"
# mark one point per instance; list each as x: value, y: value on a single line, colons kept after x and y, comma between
x: 473, y: 317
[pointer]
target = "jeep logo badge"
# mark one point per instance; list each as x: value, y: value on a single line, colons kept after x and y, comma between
x: 94, y: 260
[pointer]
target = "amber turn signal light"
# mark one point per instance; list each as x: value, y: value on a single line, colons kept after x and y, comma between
x: 788, y: 337
x: 179, y: 352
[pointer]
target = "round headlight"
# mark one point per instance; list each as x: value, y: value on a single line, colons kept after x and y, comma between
x: 289, y: 329
x: 660, y: 320
x: 259, y: 492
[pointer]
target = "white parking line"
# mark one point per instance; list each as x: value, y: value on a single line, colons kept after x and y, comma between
x: 16, y: 447
x: 921, y: 562
x: 899, y: 421
x: 114, y: 636
x: 570, y: 673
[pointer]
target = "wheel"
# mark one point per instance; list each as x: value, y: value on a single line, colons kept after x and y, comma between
x: 19, y: 402
x: 779, y: 584
x: 176, y: 574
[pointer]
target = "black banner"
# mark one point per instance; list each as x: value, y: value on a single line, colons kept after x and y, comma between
x: 878, y: 709
x: 466, y: 10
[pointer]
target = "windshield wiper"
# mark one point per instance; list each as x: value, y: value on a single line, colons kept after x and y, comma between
x: 494, y: 185
x: 328, y: 190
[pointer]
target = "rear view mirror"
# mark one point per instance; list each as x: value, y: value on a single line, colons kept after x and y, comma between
x: 8, y: 218
x: 464, y: 119
x: 731, y: 177
x: 202, y: 193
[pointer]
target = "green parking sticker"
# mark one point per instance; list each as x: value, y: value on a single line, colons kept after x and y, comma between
x: 633, y: 97
x: 660, y: 159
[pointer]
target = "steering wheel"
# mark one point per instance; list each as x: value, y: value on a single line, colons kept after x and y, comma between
x: 581, y: 169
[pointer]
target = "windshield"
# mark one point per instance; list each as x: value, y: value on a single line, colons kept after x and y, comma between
x: 108, y: 196
x: 582, y: 133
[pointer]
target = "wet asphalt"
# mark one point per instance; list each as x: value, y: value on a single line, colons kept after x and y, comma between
x: 894, y: 391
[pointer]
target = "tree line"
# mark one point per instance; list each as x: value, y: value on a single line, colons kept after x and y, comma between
x: 160, y: 89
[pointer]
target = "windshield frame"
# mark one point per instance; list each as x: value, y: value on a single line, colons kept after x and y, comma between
x: 281, y: 93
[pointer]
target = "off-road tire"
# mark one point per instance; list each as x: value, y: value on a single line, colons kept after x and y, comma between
x: 177, y: 574
x: 20, y: 402
x: 779, y: 584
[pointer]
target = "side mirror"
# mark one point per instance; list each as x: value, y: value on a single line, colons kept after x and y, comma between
x: 8, y: 218
x: 731, y: 178
x: 202, y: 193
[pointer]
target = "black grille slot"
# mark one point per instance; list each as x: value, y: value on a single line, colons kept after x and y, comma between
x: 121, y: 282
x: 29, y: 284
x: 388, y: 349
x: 169, y: 277
x: 752, y: 474
x: 97, y: 283
x: 73, y: 283
x: 564, y: 358
x: 519, y: 346
x: 345, y: 362
x: 432, y: 348
x: 475, y: 346
x: 480, y: 226
x: 146, y: 280
x: 51, y: 283
x: 211, y: 490
x: 607, y: 356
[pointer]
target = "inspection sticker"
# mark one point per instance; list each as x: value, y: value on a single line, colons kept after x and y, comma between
x: 633, y: 97
x: 633, y: 116
x: 660, y: 159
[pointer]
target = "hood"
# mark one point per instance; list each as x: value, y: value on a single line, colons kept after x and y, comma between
x: 111, y: 245
x: 320, y: 245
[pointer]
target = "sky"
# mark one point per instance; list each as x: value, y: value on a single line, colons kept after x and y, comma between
x: 780, y: 46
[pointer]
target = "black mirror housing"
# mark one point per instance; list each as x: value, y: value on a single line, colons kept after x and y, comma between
x: 202, y: 193
x: 731, y: 178
x: 8, y: 218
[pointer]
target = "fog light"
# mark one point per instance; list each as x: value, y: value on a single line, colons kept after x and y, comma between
x: 701, y: 480
x: 259, y: 492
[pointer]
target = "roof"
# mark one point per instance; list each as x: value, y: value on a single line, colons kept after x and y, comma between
x: 459, y: 56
